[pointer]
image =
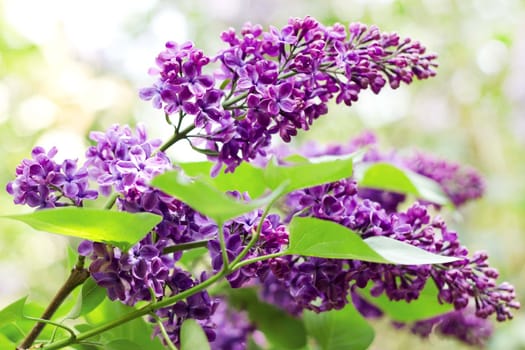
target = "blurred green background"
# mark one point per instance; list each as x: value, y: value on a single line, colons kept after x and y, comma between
x: 67, y: 67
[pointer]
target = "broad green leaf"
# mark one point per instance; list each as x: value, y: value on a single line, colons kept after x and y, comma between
x: 192, y: 336
x: 389, y: 177
x: 115, y: 227
x: 189, y: 257
x: 137, y: 331
x: 122, y: 344
x: 13, y: 312
x: 402, y: 253
x: 327, y: 239
x: 89, y: 298
x: 307, y: 174
x: 281, y: 329
x: 339, y: 329
x: 6, y: 343
x: 426, y: 306
x: 206, y: 199
x: 246, y: 177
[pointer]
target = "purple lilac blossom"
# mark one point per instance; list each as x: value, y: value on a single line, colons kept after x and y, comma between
x: 278, y: 81
x: 232, y: 328
x: 462, y: 325
x: 41, y: 182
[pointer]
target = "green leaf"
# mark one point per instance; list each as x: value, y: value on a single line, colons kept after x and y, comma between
x: 327, y: 239
x: 308, y: 174
x: 123, y: 344
x: 119, y: 228
x: 388, y: 177
x: 190, y: 257
x: 90, y: 297
x: 402, y: 253
x: 137, y: 331
x: 6, y: 343
x: 425, y: 306
x: 192, y: 336
x: 199, y: 194
x: 281, y: 329
x: 246, y: 177
x: 339, y: 329
x: 13, y: 312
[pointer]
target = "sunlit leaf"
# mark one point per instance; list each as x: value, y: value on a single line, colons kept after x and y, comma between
x: 339, y: 329
x: 89, y: 298
x: 425, y: 306
x: 115, y: 227
x: 389, y: 177
x: 12, y: 312
x: 308, y: 174
x: 246, y: 177
x: 405, y: 254
x: 326, y: 239
x: 206, y: 199
x: 192, y: 336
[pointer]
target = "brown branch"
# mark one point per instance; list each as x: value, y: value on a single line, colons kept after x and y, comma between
x: 77, y: 277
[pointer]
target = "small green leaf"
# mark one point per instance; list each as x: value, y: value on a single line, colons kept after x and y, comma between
x: 308, y: 174
x: 192, y: 336
x: 189, y: 257
x: 13, y: 312
x: 246, y: 177
x: 327, y: 239
x: 115, y: 227
x: 199, y: 194
x: 389, y: 177
x: 339, y: 329
x: 280, y: 328
x: 90, y: 297
x: 425, y: 306
x: 122, y: 344
x: 402, y: 253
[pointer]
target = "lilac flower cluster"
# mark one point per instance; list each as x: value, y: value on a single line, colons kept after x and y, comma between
x: 41, y: 182
x: 278, y: 81
x: 463, y: 325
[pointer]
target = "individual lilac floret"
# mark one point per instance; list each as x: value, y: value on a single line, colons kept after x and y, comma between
x: 43, y: 183
x: 125, y: 161
x: 462, y: 325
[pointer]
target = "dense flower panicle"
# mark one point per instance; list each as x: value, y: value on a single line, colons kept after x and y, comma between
x: 468, y: 280
x: 279, y: 81
x: 460, y: 183
x: 462, y: 325
x: 41, y: 182
x: 125, y: 161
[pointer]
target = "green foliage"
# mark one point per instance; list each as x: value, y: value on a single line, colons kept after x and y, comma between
x: 192, y: 336
x: 307, y: 174
x: 339, y: 329
x: 281, y: 329
x: 426, y: 305
x: 202, y: 196
x: 326, y: 239
x: 12, y: 312
x: 119, y: 228
x: 389, y: 177
x: 88, y: 299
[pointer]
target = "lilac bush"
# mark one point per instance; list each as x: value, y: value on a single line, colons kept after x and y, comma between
x: 268, y: 83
